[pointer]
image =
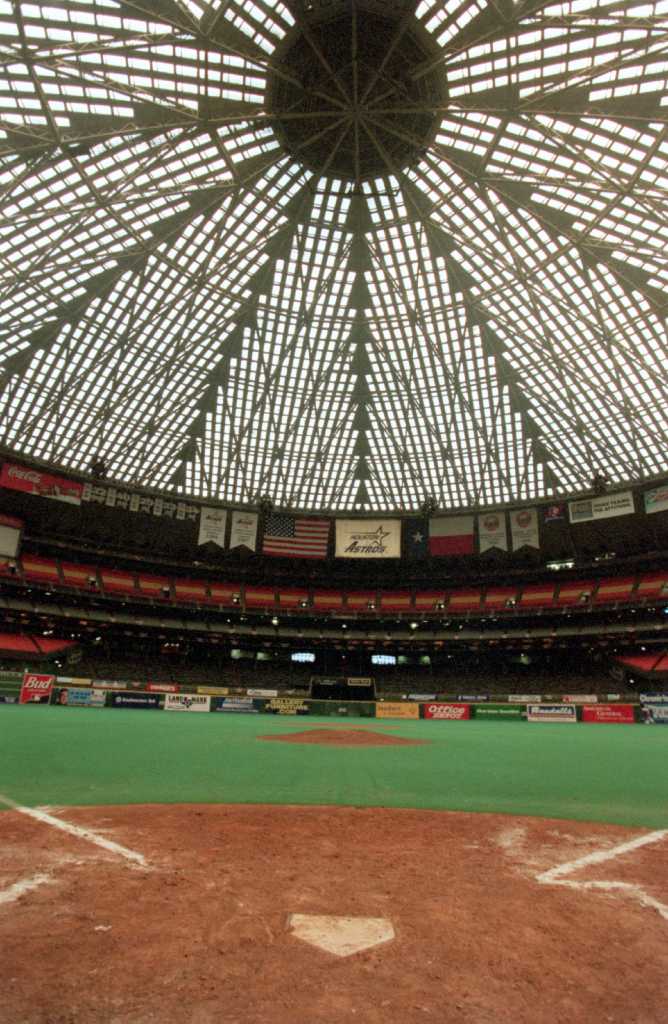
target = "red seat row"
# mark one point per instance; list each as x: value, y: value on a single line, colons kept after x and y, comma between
x: 551, y: 594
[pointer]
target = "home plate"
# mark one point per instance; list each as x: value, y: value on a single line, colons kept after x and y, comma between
x: 342, y: 936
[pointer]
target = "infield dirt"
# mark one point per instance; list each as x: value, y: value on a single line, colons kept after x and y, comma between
x: 202, y: 936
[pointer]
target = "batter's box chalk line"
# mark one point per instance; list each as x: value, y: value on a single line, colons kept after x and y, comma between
x: 557, y: 875
x: 87, y: 835
x: 18, y: 889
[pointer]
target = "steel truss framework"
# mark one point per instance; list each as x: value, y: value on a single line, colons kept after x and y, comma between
x: 210, y: 310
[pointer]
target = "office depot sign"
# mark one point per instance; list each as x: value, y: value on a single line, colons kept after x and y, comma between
x: 451, y: 712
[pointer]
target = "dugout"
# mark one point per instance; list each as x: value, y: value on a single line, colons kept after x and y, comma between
x: 343, y: 688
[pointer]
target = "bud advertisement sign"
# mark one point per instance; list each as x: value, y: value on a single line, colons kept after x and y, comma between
x: 36, y: 689
x: 368, y: 538
x: 44, y: 485
x: 609, y: 714
x: 447, y: 712
x: 187, y: 702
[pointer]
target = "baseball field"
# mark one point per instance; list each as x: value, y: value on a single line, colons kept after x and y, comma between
x: 251, y: 868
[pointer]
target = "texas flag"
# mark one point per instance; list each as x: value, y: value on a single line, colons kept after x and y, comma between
x: 451, y: 535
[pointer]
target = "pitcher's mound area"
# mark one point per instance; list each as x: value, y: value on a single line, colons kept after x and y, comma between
x: 344, y: 738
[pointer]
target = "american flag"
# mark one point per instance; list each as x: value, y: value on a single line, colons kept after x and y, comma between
x: 298, y: 538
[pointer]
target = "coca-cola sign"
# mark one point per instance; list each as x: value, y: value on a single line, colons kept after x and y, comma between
x: 44, y: 485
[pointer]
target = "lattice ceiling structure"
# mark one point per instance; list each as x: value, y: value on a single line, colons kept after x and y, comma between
x: 344, y: 253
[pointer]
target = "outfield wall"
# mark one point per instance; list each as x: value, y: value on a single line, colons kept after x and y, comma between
x: 36, y: 688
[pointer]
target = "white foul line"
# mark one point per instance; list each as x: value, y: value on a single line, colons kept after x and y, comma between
x: 555, y: 875
x: 14, y: 892
x: 76, y: 830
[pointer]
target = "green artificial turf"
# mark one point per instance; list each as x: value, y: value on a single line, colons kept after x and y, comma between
x: 65, y: 756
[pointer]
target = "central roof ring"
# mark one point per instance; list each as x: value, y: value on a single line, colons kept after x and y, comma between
x: 354, y: 95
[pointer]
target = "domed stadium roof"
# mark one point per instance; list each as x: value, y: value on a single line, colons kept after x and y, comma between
x: 348, y: 254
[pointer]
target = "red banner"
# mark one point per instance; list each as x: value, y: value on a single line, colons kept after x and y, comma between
x: 162, y: 687
x: 451, y: 712
x: 32, y: 481
x: 36, y: 689
x: 609, y: 713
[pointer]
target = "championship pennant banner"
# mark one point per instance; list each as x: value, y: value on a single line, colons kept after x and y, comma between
x: 524, y: 528
x: 368, y: 538
x: 212, y: 523
x: 243, y: 532
x: 492, y: 532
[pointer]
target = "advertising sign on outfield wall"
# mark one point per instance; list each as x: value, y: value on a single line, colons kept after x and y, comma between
x: 473, y: 698
x: 392, y: 709
x: 524, y: 698
x: 286, y: 706
x: 655, y: 714
x: 187, y: 702
x: 162, y: 687
x: 261, y: 693
x: 36, y: 689
x: 551, y: 713
x: 447, y: 712
x: 78, y: 697
x: 214, y: 691
x: 136, y: 701
x: 654, y: 698
x: 609, y: 713
x: 510, y: 712
x: 580, y: 698
x: 235, y: 705
x: 422, y: 696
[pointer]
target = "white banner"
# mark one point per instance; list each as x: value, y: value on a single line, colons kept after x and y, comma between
x: 187, y: 702
x: 551, y: 713
x: 368, y: 538
x: 212, y: 523
x: 492, y: 531
x: 524, y: 528
x: 244, y: 530
x: 604, y: 507
x: 656, y: 500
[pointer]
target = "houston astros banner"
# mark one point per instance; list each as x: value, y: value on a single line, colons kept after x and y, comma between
x: 368, y: 538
